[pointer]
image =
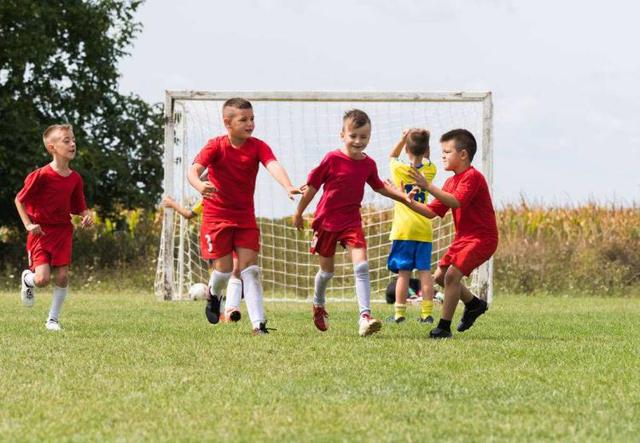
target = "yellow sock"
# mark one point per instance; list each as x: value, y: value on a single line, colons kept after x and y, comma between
x: 427, y: 308
x: 401, y: 310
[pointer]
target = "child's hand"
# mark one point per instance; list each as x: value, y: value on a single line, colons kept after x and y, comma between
x: 168, y: 202
x: 297, y: 221
x: 87, y: 220
x: 206, y: 189
x: 419, y: 178
x: 34, y: 229
x: 292, y: 190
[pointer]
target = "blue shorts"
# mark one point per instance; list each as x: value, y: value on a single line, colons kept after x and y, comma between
x: 407, y: 255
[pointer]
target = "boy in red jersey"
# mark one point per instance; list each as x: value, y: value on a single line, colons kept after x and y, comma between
x: 228, y: 219
x: 45, y: 204
x: 343, y: 173
x: 476, y: 239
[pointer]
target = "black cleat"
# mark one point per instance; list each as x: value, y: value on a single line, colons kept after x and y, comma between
x: 235, y: 316
x: 428, y: 320
x: 470, y: 315
x: 212, y: 310
x: 393, y: 319
x: 262, y: 329
x: 440, y: 333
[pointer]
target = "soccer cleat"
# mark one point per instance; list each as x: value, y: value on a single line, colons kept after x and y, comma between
x: 52, y: 325
x: 212, y: 310
x: 368, y: 326
x: 437, y: 333
x: 27, y: 294
x: 426, y: 320
x: 393, y: 319
x: 320, y: 318
x: 262, y: 329
x: 470, y: 315
x: 232, y: 315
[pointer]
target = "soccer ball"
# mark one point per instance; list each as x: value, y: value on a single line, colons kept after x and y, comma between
x: 198, y: 291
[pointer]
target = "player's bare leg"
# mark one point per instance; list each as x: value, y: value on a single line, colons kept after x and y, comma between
x: 402, y: 289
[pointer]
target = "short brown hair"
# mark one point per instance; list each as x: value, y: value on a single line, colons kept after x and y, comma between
x: 357, y: 118
x: 418, y: 141
x: 238, y: 103
x: 53, y: 128
x: 464, y: 141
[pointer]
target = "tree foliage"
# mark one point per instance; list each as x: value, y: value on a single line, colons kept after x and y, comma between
x: 59, y: 63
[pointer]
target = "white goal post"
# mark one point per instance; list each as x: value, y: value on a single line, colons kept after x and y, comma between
x: 301, y: 127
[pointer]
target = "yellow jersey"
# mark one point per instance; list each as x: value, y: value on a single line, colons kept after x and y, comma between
x: 197, y: 208
x: 407, y: 224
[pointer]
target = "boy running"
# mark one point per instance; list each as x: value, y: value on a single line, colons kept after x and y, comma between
x: 343, y: 173
x: 234, y: 286
x: 45, y: 204
x: 228, y: 219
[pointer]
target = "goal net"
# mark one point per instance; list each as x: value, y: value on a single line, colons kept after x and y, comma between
x: 301, y: 127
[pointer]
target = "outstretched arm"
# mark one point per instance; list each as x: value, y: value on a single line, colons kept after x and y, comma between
x: 168, y: 202
x: 203, y: 187
x: 445, y: 197
x: 278, y: 172
x: 391, y: 191
x: 307, y: 196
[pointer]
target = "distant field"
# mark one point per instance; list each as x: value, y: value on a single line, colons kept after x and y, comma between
x: 128, y: 368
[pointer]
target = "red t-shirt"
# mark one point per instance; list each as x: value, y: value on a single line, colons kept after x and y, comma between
x: 233, y: 172
x: 475, y: 218
x: 51, y: 198
x: 343, y: 179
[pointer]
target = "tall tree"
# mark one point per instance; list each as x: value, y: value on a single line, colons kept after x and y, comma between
x: 59, y: 63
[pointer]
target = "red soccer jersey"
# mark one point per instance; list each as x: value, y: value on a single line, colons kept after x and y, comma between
x: 343, y: 179
x: 475, y: 218
x: 51, y: 198
x: 233, y: 172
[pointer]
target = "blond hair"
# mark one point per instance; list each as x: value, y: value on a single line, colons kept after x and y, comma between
x: 53, y: 128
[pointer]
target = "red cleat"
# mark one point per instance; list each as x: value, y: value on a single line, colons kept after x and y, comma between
x: 320, y: 318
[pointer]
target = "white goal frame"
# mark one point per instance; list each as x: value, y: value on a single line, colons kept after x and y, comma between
x: 165, y: 288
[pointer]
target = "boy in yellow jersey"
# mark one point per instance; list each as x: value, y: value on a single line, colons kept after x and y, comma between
x: 411, y: 232
x: 234, y: 286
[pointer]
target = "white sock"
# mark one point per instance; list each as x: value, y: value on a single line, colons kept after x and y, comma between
x: 321, y: 283
x: 59, y: 294
x: 363, y: 287
x: 253, y: 294
x: 218, y: 282
x: 234, y: 294
x: 29, y: 279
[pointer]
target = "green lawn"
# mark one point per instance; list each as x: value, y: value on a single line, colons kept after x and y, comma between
x: 129, y: 368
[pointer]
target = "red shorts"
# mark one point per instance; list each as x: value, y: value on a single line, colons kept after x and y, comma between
x: 220, y: 239
x: 324, y: 242
x: 468, y: 255
x: 52, y: 248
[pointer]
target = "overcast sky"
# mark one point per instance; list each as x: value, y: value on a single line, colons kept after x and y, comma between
x: 565, y: 74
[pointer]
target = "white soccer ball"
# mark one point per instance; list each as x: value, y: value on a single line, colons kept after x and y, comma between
x: 198, y: 291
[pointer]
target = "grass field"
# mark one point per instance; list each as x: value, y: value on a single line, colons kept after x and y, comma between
x: 129, y: 368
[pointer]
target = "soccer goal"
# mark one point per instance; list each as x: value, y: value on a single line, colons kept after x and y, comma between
x: 301, y: 127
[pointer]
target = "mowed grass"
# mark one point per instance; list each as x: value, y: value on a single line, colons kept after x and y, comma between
x: 129, y: 368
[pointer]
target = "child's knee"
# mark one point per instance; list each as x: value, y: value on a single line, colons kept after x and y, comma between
x: 452, y: 276
x: 41, y: 279
x: 62, y: 279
